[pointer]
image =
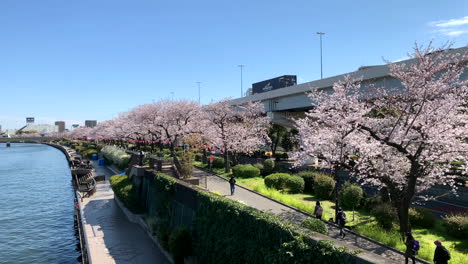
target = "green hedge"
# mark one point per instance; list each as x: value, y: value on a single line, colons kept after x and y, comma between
x: 180, y: 244
x: 286, y: 182
x: 229, y: 232
x: 308, y: 176
x: 89, y: 153
x: 218, y: 163
x: 245, y: 171
x: 268, y: 166
x: 123, y: 189
x: 324, y: 186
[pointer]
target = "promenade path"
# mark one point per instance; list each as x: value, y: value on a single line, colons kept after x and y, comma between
x: 250, y: 198
x: 111, y: 238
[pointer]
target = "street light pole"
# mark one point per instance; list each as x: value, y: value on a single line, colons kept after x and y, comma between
x: 241, y: 67
x: 199, y: 92
x: 321, y: 68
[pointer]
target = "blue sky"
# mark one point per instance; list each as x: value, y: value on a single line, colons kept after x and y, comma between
x: 88, y: 59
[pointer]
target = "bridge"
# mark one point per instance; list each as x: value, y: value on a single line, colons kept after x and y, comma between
x: 284, y: 104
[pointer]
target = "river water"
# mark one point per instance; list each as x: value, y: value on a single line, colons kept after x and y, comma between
x: 36, y: 206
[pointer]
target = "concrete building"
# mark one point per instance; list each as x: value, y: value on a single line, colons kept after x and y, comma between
x: 61, y: 126
x: 90, y: 123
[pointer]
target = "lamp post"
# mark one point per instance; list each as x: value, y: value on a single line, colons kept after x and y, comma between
x: 321, y: 68
x: 199, y: 92
x: 241, y: 67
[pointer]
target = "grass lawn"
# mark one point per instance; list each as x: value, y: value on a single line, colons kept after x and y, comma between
x: 363, y: 222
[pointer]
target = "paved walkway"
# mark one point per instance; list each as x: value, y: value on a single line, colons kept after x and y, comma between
x: 110, y: 236
x: 215, y: 183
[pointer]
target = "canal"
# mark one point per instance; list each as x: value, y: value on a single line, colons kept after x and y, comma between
x: 36, y: 206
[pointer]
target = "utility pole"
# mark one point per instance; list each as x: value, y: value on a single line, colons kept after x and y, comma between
x: 199, y: 92
x: 241, y: 67
x: 321, y: 68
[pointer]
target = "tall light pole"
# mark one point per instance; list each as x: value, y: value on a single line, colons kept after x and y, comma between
x: 321, y: 68
x: 241, y: 67
x: 199, y: 92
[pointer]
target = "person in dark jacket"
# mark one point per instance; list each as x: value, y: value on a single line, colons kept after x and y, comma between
x: 232, y: 182
x: 441, y: 254
x: 341, y: 221
x: 410, y: 253
x: 318, y: 211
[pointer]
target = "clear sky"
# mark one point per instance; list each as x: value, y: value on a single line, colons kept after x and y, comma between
x: 91, y: 59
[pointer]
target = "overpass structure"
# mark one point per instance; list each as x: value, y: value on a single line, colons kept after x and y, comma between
x: 284, y: 104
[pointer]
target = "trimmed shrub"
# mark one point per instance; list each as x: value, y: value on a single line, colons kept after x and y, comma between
x: 91, y: 146
x: 186, y: 167
x: 276, y: 180
x: 324, y: 186
x: 284, y: 181
x: 118, y: 156
x: 350, y: 196
x: 308, y: 176
x: 245, y: 171
x: 385, y: 215
x: 180, y: 244
x: 259, y: 166
x: 295, y: 184
x: 268, y: 166
x: 218, y: 163
x: 315, y: 225
x: 456, y: 225
x: 421, y: 217
x: 198, y: 156
x: 89, y: 153
x: 81, y: 149
x: 123, y: 188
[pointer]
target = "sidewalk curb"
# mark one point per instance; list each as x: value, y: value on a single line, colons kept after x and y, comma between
x: 309, y: 215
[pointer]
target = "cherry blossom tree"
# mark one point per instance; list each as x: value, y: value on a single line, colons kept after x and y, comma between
x: 235, y: 128
x: 403, y: 138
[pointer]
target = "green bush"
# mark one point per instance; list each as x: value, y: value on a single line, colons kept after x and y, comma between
x: 89, y: 153
x: 315, y: 225
x: 118, y: 156
x: 324, y: 186
x: 91, y: 146
x: 264, y: 237
x: 284, y: 181
x: 218, y: 163
x: 245, y: 171
x: 276, y: 180
x: 456, y: 225
x: 295, y: 184
x: 308, y: 176
x: 268, y: 166
x: 186, y: 167
x: 350, y: 195
x: 180, y: 244
x: 421, y: 217
x: 368, y: 203
x: 198, y: 156
x: 259, y: 166
x: 123, y: 189
x: 81, y: 149
x: 385, y: 215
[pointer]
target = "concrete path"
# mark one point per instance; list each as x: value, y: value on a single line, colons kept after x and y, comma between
x: 110, y: 236
x: 257, y: 201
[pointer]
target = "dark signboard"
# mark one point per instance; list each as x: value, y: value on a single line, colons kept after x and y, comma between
x: 75, y: 126
x: 29, y: 120
x: 273, y: 84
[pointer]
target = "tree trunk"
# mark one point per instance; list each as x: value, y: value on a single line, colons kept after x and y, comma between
x: 403, y: 217
x: 204, y: 157
x: 227, y: 168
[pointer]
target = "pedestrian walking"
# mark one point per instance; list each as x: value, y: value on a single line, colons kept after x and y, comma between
x: 232, y: 182
x: 441, y: 254
x: 341, y: 220
x: 318, y: 211
x: 412, y: 247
